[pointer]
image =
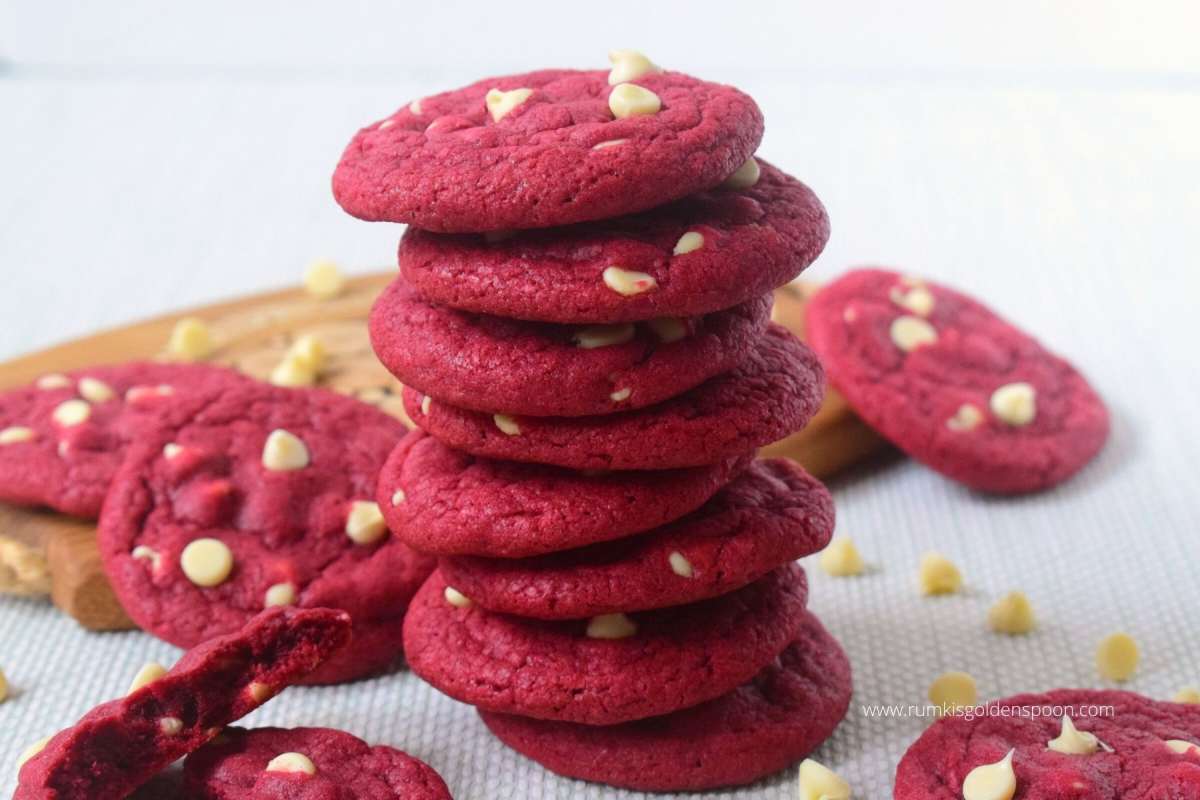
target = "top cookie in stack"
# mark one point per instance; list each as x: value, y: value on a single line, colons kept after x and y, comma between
x: 582, y: 325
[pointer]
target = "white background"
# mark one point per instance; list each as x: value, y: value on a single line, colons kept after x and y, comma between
x: 1045, y: 156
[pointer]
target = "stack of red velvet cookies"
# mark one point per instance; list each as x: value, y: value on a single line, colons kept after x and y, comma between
x: 582, y: 322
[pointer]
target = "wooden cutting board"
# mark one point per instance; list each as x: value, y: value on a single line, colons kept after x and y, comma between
x: 42, y: 553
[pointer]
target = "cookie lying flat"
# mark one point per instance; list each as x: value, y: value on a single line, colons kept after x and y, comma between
x: 606, y: 670
x: 701, y: 254
x: 63, y: 437
x: 773, y: 720
x: 771, y: 514
x: 446, y: 502
x: 255, y: 496
x: 952, y: 384
x: 494, y: 364
x: 123, y: 743
x: 543, y: 149
x: 1142, y: 750
x: 316, y: 763
x: 774, y: 392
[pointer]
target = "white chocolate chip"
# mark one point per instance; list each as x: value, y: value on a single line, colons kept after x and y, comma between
x: 136, y: 394
x: 31, y: 751
x: 629, y: 65
x: 1182, y: 746
x: 938, y: 575
x: 323, y: 279
x: 364, y: 523
x: 908, y: 333
x: 1117, y: 657
x: 15, y: 434
x: 456, y: 598
x: 819, y: 782
x: 952, y: 691
x: 611, y: 626
x: 1188, y: 694
x: 55, y: 380
x: 849, y: 314
x: 968, y: 417
x: 95, y: 390
x: 1012, y: 614
x: 991, y: 781
x: 1014, y: 403
x: 506, y: 424
x: 595, y: 336
x: 171, y: 726
x: 147, y: 675
x: 415, y: 107
x: 680, y: 565
x: 309, y: 349
x: 1072, y: 741
x: 668, y: 329
x: 190, y: 340
x: 284, y: 451
x: 293, y: 371
x: 689, y: 243
x: 387, y: 123
x: 3, y: 686
x: 918, y: 300
x: 426, y: 404
x: 144, y: 553
x: 206, y: 562
x: 280, y: 594
x: 260, y: 692
x: 398, y: 497
x: 292, y: 762
x: 744, y: 177
x: 630, y: 100
x: 620, y: 395
x: 171, y: 450
x: 841, y: 558
x: 609, y: 143
x: 72, y: 412
x: 628, y: 282
x: 500, y: 103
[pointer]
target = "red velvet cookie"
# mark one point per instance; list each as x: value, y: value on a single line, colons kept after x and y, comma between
x: 494, y: 364
x: 63, y: 437
x: 606, y: 670
x: 954, y: 385
x: 123, y: 743
x: 254, y: 496
x: 777, y: 718
x: 241, y: 765
x: 464, y: 161
x: 1142, y: 749
x: 706, y: 252
x: 773, y: 393
x: 771, y: 514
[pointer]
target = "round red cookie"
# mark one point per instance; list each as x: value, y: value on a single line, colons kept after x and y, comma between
x: 1135, y: 762
x: 298, y: 535
x: 443, y: 163
x: 446, y: 502
x: 66, y: 461
x: 749, y: 242
x: 657, y: 662
x: 775, y: 719
x: 123, y: 743
x: 773, y: 393
x: 771, y: 514
x: 234, y: 766
x: 494, y: 364
x: 954, y: 385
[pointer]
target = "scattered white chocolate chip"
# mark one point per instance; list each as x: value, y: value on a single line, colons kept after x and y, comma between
x: 991, y: 781
x: 938, y: 575
x: 1117, y: 657
x: 630, y: 100
x: 918, y: 300
x: 841, y: 558
x: 147, y: 675
x: 668, y: 329
x: 292, y: 762
x: 1014, y: 403
x: 506, y: 424
x: 611, y: 626
x: 144, y: 553
x: 280, y: 594
x: 171, y: 726
x: 95, y: 390
x: 968, y: 417
x: 744, y: 177
x: 415, y: 107
x: 819, y: 782
x: 15, y: 434
x: 3, y: 686
x: 621, y: 395
x: 206, y: 562
x: 953, y: 690
x: 909, y: 332
x: 1188, y: 694
x: 364, y: 523
x: 72, y: 412
x: 260, y: 692
x: 398, y: 497
x: 1072, y: 741
x: 1012, y: 614
x: 680, y: 565
x: 31, y: 751
x: 293, y: 371
x: 190, y: 340
x: 324, y: 280
x: 1182, y: 746
x: 284, y: 451
x: 609, y: 143
x: 426, y: 404
x: 170, y: 450
x: 309, y: 349
x: 456, y: 598
x: 628, y: 282
x: 55, y: 380
x: 689, y: 243
x: 629, y: 65
x: 595, y: 336
x: 500, y: 103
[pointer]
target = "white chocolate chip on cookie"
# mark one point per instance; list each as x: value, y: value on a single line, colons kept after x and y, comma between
x: 284, y: 451
x: 138, y: 394
x: 506, y: 424
x: 1182, y: 746
x: 190, y: 340
x: 991, y: 781
x: 296, y: 763
x: 171, y: 726
x: 620, y: 395
x: 1014, y: 403
x: 1072, y: 741
x: 398, y: 497
x: 968, y: 417
x: 95, y: 390
x: 171, y: 450
x: 689, y: 243
x: 456, y: 598
x: 918, y: 300
x: 54, y: 380
x: 819, y: 782
x: 609, y: 143
x: 668, y: 329
x: 628, y: 282
x: 500, y: 103
x: 908, y: 333
x: 680, y: 565
x: 630, y: 100
x: 364, y: 523
x: 611, y: 626
x: 15, y: 434
x: 206, y: 562
x: 31, y: 751
x: 629, y: 65
x: 415, y: 107
x: 595, y: 336
x: 147, y: 675
x: 324, y: 280
x: 280, y: 594
x: 426, y: 404
x: 72, y: 412
x: 744, y: 177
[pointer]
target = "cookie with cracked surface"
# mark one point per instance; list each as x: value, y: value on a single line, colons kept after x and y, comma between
x: 252, y: 496
x: 494, y: 364
x: 606, y: 670
x: 123, y: 743
x: 1143, y: 749
x: 700, y: 254
x: 771, y: 514
x: 317, y: 763
x: 443, y: 501
x: 545, y: 148
x: 774, y: 392
x: 954, y: 385
x: 775, y: 719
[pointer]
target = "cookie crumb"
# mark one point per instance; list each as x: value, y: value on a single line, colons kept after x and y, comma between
x: 456, y: 598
